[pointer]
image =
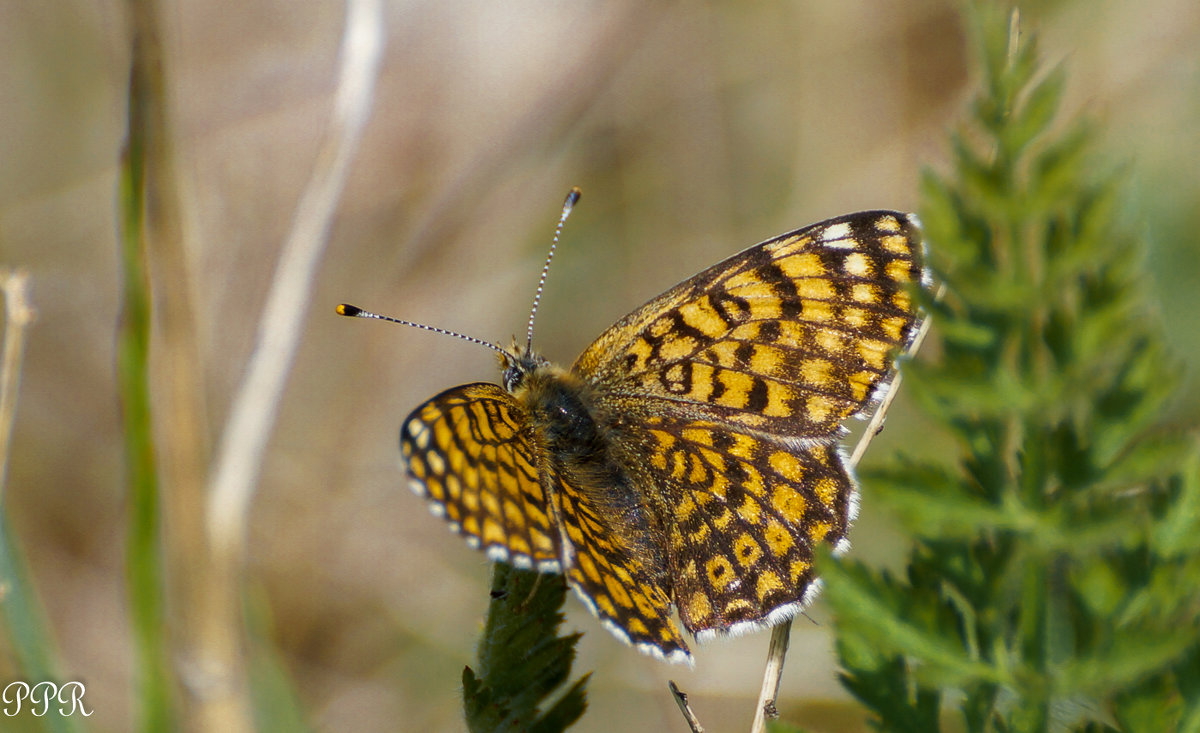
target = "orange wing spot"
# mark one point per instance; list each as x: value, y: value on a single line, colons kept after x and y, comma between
x: 720, y: 572
x: 702, y: 382
x: 517, y: 544
x: 737, y: 389
x: 470, y: 525
x: 798, y: 570
x: 700, y: 315
x: 482, y: 421
x: 689, y: 571
x: 805, y: 265
x: 864, y: 293
x: 855, y: 317
x: 541, y: 542
x: 779, y: 539
x: 860, y: 384
x: 514, y: 515
x: 618, y: 593
x: 470, y: 501
x: 826, y: 490
x: 818, y: 530
x: 417, y: 467
x: 721, y: 522
x: 834, y: 342
x: 750, y: 511
x: 767, y: 361
x: 817, y: 311
x: 702, y: 436
x: 491, y: 503
x: 442, y: 436
x: 623, y: 576
x: 747, y: 551
x: 889, y: 223
x: 788, y: 245
x: 768, y: 584
x: 753, y: 484
x: 685, y: 509
x: 779, y: 399
x: 699, y: 610
x: 899, y: 270
x: 786, y: 465
x: 660, y: 328
x: 814, y: 288
x: 678, y: 465
x: 816, y: 371
x: 641, y: 351
x: 637, y: 628
x: 674, y: 348
x: 743, y: 447
x: 894, y: 327
x: 790, y: 504
x: 605, y: 606
x: 493, y: 533
x: 874, y: 353
x: 819, y: 408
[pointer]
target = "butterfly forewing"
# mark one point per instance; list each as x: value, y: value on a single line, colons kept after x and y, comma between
x: 789, y: 337
x: 622, y: 578
x: 467, y: 450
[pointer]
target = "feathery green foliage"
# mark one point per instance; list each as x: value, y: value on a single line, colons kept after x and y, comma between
x: 1054, y: 581
x: 522, y: 660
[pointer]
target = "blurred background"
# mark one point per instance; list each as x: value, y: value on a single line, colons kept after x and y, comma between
x: 694, y: 129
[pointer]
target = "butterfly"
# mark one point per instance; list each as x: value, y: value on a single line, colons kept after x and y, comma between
x: 688, y: 461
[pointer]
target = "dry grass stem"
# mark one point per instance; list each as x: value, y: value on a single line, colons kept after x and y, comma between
x: 18, y: 315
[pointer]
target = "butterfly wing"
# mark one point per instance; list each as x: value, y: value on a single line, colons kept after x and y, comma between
x: 468, y: 451
x: 789, y: 337
x: 620, y: 582
x: 728, y: 393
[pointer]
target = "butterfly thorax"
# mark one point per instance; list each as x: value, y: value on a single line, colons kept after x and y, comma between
x: 578, y: 439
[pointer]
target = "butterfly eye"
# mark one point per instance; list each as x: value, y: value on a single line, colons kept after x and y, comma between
x: 513, y: 376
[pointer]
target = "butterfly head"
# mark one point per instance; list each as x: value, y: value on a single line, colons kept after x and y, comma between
x: 517, y: 363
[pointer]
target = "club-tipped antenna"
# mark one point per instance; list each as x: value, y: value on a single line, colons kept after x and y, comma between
x: 353, y: 311
x: 572, y: 199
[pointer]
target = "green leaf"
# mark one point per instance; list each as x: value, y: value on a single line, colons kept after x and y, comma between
x: 523, y: 663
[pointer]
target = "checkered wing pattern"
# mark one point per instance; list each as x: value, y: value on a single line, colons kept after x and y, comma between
x: 617, y: 569
x: 789, y: 337
x: 468, y: 451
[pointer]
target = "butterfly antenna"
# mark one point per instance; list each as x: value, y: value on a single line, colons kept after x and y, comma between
x: 572, y: 199
x: 353, y: 311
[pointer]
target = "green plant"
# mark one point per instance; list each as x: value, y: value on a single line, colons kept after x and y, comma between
x: 522, y: 660
x: 1054, y: 578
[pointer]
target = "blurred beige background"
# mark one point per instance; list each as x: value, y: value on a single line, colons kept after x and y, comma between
x: 695, y: 129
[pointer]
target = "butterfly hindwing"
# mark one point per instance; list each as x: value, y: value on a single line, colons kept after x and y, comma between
x: 746, y: 515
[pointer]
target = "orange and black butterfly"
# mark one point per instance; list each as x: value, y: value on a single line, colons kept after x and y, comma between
x: 689, y: 459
